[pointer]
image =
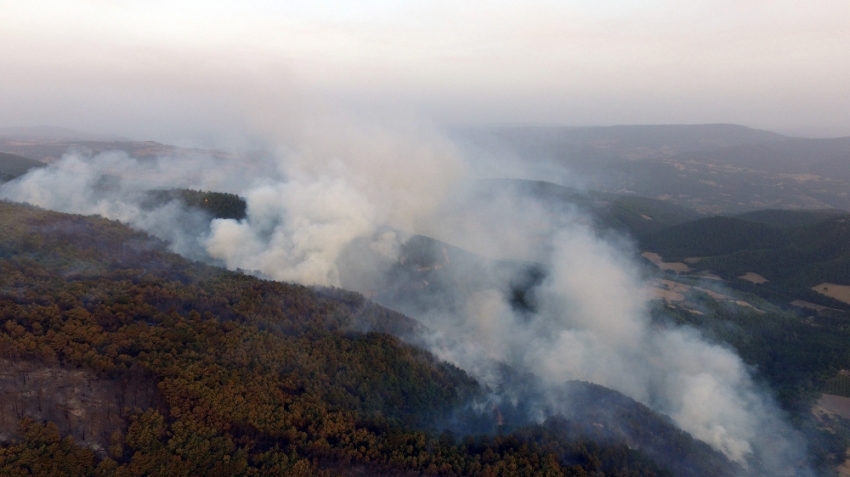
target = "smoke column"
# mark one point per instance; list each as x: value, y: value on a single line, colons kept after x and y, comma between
x: 337, y: 183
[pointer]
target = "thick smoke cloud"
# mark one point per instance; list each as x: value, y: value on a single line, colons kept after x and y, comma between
x: 334, y: 189
x: 114, y: 186
x: 592, y: 324
x: 340, y: 186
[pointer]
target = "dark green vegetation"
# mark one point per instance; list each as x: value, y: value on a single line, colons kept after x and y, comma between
x: 791, y: 218
x: 208, y: 372
x: 220, y: 205
x: 624, y: 213
x: 12, y: 166
x: 839, y: 385
x: 796, y: 359
x: 793, y: 356
x: 793, y: 258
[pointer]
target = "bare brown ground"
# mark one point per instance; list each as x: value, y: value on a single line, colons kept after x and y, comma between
x: 825, y: 410
x: 668, y: 290
x: 838, y: 405
x: 656, y: 259
x: 839, y: 292
x: 671, y: 291
x: 754, y: 278
x: 810, y: 306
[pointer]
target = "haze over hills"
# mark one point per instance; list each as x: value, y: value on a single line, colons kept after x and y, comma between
x: 714, y: 168
x: 585, y: 144
x: 711, y: 168
x: 53, y: 133
x: 526, y: 287
x: 48, y: 144
x: 317, y: 239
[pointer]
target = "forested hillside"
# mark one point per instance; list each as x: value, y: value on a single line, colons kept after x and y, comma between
x: 792, y: 258
x: 622, y: 212
x: 791, y: 218
x: 220, y: 205
x: 124, y: 359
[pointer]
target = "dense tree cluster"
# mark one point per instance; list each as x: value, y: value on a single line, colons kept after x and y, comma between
x: 839, y: 385
x: 253, y: 377
x: 220, y: 205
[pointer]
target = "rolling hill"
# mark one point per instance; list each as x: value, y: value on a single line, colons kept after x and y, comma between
x: 12, y: 166
x: 121, y: 358
x: 624, y: 212
x: 791, y: 218
x: 711, y: 168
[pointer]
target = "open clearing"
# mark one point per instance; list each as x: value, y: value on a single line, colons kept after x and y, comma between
x: 674, y: 292
x: 810, y: 306
x: 754, y: 278
x: 839, y: 292
x: 838, y: 405
x: 677, y: 267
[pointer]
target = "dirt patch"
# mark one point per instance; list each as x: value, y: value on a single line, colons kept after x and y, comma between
x: 746, y: 304
x: 838, y: 405
x: 754, y: 278
x: 692, y: 260
x: 839, y: 292
x: 656, y: 259
x: 668, y: 290
x: 715, y: 295
x: 674, y: 292
x: 802, y: 177
x: 810, y: 306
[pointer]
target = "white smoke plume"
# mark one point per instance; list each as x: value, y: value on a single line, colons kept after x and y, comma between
x: 592, y: 324
x: 336, y: 183
x: 336, y: 188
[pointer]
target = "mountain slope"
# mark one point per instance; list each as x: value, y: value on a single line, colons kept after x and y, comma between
x: 12, y: 166
x: 791, y: 218
x: 792, y: 258
x: 250, y: 376
x: 628, y: 213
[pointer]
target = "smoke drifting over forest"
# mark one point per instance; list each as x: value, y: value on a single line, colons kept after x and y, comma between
x: 326, y: 191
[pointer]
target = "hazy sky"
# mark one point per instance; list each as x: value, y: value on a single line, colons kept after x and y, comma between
x: 172, y: 70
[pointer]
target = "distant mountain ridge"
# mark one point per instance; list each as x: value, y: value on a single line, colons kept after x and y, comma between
x: 12, y: 166
x: 56, y: 134
x: 714, y: 169
x: 624, y: 142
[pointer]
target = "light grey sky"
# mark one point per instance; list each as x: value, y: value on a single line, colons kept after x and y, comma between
x: 172, y: 70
